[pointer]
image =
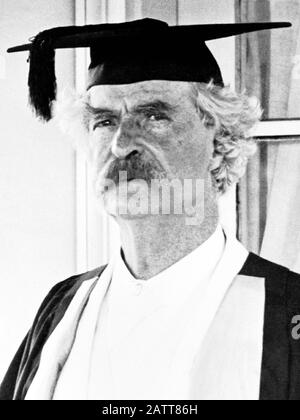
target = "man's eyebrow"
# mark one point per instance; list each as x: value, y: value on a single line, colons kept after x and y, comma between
x: 93, y: 112
x: 160, y: 106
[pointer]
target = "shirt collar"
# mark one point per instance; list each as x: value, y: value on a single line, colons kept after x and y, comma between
x: 173, y: 285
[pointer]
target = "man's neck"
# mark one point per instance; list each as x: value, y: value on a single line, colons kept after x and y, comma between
x: 153, y: 244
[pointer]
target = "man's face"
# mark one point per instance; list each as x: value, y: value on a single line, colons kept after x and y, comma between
x: 150, y: 130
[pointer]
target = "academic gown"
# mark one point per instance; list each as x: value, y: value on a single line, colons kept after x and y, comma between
x: 145, y: 340
x: 280, y: 371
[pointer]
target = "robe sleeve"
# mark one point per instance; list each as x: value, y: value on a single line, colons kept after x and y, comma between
x: 10, y: 381
x: 26, y: 361
x: 8, y: 384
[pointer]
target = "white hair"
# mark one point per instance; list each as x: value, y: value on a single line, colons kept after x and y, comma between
x: 69, y: 115
x: 232, y: 115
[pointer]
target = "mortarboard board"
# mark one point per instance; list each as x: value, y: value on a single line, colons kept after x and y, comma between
x: 130, y: 52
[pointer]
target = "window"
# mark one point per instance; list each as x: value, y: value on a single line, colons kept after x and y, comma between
x: 269, y: 203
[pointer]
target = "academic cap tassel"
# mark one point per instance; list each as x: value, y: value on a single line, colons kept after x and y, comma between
x: 42, y: 79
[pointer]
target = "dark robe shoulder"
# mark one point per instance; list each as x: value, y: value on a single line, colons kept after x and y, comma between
x: 280, y: 375
x: 26, y: 361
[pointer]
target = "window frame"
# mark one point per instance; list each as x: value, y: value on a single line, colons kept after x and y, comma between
x: 280, y: 130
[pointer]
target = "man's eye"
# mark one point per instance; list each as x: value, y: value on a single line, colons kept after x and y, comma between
x: 156, y: 117
x: 103, y: 123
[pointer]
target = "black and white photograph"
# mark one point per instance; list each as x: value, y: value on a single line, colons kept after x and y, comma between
x: 150, y: 202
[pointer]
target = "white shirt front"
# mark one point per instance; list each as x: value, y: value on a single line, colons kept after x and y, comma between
x: 158, y: 339
x: 144, y: 321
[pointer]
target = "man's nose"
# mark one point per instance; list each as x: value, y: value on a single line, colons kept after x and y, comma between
x: 124, y: 142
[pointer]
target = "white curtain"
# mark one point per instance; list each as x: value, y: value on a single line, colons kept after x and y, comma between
x: 281, y: 241
x: 276, y: 199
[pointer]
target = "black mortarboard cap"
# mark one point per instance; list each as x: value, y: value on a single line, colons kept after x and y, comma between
x: 130, y: 52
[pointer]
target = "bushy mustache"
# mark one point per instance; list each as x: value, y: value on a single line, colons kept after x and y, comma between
x: 136, y: 166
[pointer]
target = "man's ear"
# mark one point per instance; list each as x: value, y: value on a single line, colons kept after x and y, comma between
x: 210, y: 122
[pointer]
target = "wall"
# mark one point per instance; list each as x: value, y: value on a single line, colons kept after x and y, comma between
x: 37, y: 169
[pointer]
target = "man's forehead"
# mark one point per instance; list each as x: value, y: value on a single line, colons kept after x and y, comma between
x: 135, y: 93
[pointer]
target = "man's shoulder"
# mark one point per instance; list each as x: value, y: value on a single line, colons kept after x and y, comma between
x: 50, y: 313
x: 63, y: 292
x: 77, y: 279
x: 257, y: 266
x: 280, y: 281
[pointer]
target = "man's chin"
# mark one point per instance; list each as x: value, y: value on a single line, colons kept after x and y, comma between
x: 123, y: 202
x: 121, y: 212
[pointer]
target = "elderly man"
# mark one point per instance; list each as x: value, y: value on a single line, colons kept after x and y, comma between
x: 182, y: 310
